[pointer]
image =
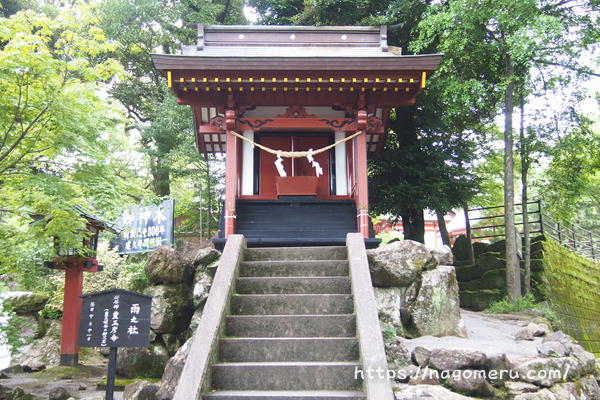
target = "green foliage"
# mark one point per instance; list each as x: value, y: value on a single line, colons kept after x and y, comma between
x: 389, y: 333
x: 11, y: 332
x: 505, y: 306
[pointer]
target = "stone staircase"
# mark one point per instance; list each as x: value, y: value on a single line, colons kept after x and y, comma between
x: 290, y: 332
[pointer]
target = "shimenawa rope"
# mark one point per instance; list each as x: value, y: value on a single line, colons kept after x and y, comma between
x: 296, y: 154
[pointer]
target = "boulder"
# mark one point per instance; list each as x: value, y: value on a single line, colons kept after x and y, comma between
x: 515, y: 388
x: 195, y: 321
x: 493, y: 279
x: 465, y: 273
x: 165, y: 266
x: 552, y: 349
x: 425, y: 377
x: 558, y: 337
x: 460, y: 250
x: 140, y: 390
x: 171, y: 342
x: 587, y: 360
x: 397, y: 353
x: 206, y: 256
x: 429, y: 392
x: 443, y: 255
x: 543, y: 394
x: 489, y: 261
x: 399, y: 263
x: 33, y: 366
x: 470, y: 382
x: 27, y: 304
x: 498, y: 367
x: 405, y: 373
x: 172, y: 372
x: 589, y: 387
x: 532, y: 330
x: 478, y: 300
x: 420, y: 356
x: 171, y: 308
x: 389, y: 302
x: 451, y: 359
x: 142, y: 362
x: 59, y: 393
x: 548, y: 371
x: 479, y: 248
x: 202, y: 284
x: 436, y: 310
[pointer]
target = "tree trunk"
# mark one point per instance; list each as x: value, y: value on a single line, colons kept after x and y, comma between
x: 161, y: 179
x: 442, y: 226
x: 513, y: 277
x: 413, y: 224
x: 525, y: 199
x: 468, y: 231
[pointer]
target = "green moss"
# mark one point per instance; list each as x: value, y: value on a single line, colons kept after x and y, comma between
x: 121, y: 383
x: 572, y: 284
x: 77, y: 372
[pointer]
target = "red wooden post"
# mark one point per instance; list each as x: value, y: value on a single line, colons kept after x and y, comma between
x: 230, y: 183
x: 363, y: 190
x: 69, y: 350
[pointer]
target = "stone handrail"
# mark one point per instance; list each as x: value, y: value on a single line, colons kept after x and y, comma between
x: 196, y: 372
x: 372, y: 351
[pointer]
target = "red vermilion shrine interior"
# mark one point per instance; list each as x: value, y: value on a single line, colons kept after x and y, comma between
x: 293, y: 89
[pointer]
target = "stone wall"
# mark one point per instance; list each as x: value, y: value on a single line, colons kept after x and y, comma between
x: 485, y: 282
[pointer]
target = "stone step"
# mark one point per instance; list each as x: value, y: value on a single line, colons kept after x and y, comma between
x: 286, y: 376
x: 284, y: 395
x: 343, y: 325
x: 294, y: 268
x: 288, y: 349
x: 294, y: 285
x: 291, y: 304
x: 296, y: 253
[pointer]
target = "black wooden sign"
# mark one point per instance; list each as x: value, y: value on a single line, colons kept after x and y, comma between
x: 115, y: 318
x: 144, y: 228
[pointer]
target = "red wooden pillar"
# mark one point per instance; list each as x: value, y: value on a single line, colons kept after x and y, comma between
x: 362, y: 183
x: 231, y: 165
x: 69, y: 350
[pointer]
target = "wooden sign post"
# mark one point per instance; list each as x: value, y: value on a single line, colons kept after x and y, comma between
x: 114, y: 318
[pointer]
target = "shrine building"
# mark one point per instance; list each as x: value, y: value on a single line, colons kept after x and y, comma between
x: 297, y: 111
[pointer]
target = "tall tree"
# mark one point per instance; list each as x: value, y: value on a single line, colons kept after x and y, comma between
x: 549, y: 34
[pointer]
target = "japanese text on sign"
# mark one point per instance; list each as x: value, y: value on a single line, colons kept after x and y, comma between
x: 145, y: 228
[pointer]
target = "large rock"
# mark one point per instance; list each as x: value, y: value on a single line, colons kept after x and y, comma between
x: 206, y: 256
x: 587, y: 360
x: 202, y: 284
x: 436, y: 310
x: 59, y: 393
x: 531, y: 331
x: 453, y: 359
x: 389, y: 303
x: 399, y: 263
x: 443, y: 255
x: 478, y: 300
x: 143, y: 362
x: 548, y: 371
x: 460, y: 249
x: 165, y: 266
x: 27, y: 304
x: 552, y: 349
x: 170, y: 377
x: 429, y: 392
x: 471, y: 382
x: 397, y: 353
x: 140, y: 390
x: 171, y: 308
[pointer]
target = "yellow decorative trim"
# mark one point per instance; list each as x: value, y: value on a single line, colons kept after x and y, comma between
x: 169, y: 79
x: 423, y: 79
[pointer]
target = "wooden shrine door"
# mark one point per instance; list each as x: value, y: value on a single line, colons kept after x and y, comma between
x: 293, y: 167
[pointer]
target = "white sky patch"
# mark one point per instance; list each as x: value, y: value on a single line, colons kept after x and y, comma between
x: 251, y: 14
